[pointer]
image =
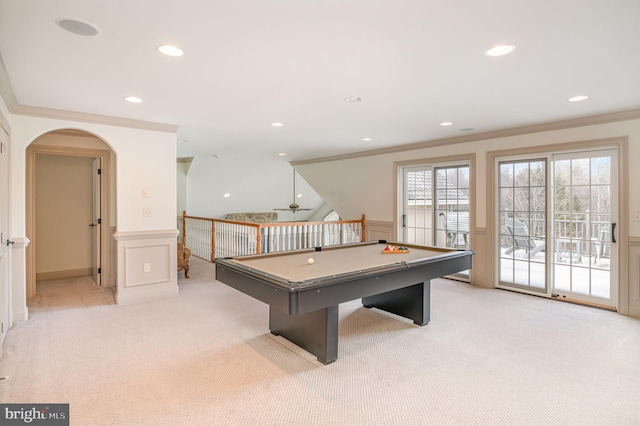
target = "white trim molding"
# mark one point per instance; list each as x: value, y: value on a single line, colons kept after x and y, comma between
x: 60, y: 114
x: 634, y: 277
x: 632, y: 114
x: 20, y: 311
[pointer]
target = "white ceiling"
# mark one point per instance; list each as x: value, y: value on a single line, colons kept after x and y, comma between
x: 414, y: 63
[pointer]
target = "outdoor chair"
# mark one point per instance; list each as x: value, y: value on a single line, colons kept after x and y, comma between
x: 456, y: 227
x: 522, y: 240
x: 601, y: 246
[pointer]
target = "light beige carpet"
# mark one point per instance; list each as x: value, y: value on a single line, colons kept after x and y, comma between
x: 206, y: 357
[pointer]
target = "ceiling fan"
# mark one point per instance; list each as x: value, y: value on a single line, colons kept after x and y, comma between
x: 293, y: 207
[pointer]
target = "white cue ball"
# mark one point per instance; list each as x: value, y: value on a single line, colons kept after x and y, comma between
x: 310, y: 261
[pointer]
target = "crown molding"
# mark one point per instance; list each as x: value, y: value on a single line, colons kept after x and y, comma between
x: 60, y: 114
x: 632, y: 114
x: 6, y: 90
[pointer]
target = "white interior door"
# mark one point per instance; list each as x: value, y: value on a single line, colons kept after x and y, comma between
x: 96, y: 221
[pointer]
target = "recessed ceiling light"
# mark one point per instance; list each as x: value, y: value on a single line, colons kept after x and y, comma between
x: 352, y: 99
x: 446, y: 123
x: 133, y: 99
x: 578, y: 98
x: 167, y: 49
x: 281, y: 154
x: 277, y: 124
x: 503, y: 49
x: 77, y: 26
x: 227, y: 195
x: 367, y: 139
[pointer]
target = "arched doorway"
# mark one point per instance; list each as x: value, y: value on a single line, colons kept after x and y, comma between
x: 63, y: 151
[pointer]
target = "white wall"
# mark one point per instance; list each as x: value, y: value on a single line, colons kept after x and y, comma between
x: 145, y: 160
x: 255, y: 185
x: 64, y: 194
x: 182, y: 169
x: 84, y: 141
x: 365, y: 184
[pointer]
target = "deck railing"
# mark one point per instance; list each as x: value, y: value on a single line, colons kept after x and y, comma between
x: 209, y: 238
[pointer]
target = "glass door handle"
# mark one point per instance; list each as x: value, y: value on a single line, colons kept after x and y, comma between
x: 613, y: 232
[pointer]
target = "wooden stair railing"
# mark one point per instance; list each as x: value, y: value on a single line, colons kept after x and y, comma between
x: 209, y: 238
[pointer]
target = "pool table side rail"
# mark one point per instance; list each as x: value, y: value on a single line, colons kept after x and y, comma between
x: 298, y: 300
x: 293, y: 285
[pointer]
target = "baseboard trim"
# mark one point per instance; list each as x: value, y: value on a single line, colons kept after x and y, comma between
x: 634, y: 312
x: 59, y: 275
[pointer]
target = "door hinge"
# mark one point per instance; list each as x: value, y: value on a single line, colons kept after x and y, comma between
x: 99, y: 221
x: 99, y: 171
x: 99, y: 270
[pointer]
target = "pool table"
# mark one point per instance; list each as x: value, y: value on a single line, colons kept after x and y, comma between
x: 303, y: 297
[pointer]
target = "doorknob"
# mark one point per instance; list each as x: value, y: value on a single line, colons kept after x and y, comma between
x: 92, y: 225
x: 9, y: 242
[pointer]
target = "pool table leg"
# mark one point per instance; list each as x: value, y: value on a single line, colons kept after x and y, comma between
x: 316, y: 332
x: 412, y: 302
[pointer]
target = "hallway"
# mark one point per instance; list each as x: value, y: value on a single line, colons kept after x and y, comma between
x: 70, y: 293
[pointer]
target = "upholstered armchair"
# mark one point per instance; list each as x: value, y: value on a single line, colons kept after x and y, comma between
x: 183, y: 259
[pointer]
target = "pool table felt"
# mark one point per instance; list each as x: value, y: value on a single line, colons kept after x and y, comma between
x: 294, y: 268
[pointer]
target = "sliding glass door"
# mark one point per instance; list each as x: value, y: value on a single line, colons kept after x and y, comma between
x: 556, y: 225
x: 522, y: 211
x: 435, y: 206
x: 584, y: 221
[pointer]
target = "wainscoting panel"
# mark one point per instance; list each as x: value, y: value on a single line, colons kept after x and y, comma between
x: 377, y: 230
x: 147, y: 265
x: 479, y: 269
x: 155, y: 261
x: 113, y: 259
